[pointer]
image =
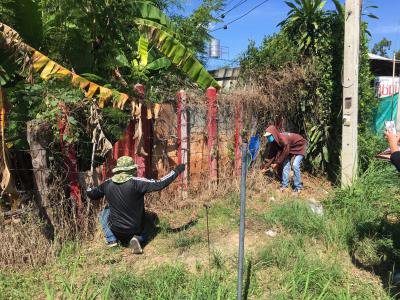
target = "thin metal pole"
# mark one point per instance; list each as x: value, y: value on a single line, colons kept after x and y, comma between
x: 394, y: 72
x: 242, y: 220
x: 208, y: 238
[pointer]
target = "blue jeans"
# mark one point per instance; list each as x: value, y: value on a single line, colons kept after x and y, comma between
x: 296, y: 170
x: 109, y: 235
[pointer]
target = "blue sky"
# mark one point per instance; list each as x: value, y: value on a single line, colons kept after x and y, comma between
x: 264, y: 19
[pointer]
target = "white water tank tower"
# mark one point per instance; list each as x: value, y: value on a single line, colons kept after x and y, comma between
x: 214, y: 50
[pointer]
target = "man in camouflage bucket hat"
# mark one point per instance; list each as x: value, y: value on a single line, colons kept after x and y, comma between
x: 126, y: 169
x: 122, y: 220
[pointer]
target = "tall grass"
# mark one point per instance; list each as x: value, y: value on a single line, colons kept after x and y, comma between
x: 350, y: 214
x: 355, y: 221
x: 166, y: 282
x: 361, y: 212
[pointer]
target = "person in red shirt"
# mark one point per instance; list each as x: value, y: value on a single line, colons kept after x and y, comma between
x: 284, y: 146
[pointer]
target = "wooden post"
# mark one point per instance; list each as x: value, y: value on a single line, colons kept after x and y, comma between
x: 212, y: 128
x: 38, y: 136
x: 238, y: 137
x: 349, y: 154
x: 183, y: 141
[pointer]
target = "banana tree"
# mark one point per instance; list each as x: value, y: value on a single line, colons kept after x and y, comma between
x: 37, y: 62
x: 161, y: 33
x: 143, y: 65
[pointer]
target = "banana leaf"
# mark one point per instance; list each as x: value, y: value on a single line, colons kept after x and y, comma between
x: 146, y: 10
x: 143, y: 48
x: 175, y: 51
x: 161, y: 63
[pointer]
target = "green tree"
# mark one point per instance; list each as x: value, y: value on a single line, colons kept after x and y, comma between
x: 305, y: 23
x: 382, y: 47
x: 87, y: 36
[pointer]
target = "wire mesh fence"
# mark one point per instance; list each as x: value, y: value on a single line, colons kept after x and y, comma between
x: 164, y: 155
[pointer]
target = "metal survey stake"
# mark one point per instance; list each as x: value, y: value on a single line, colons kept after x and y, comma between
x: 208, y: 237
x: 242, y: 217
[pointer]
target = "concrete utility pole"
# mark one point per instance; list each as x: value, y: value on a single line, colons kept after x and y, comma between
x: 349, y: 155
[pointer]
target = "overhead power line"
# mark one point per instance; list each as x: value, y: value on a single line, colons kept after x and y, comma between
x: 240, y: 17
x: 241, y: 2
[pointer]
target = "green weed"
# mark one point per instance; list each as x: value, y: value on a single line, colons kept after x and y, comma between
x: 69, y: 289
x: 233, y: 199
x: 297, y: 217
x: 184, y: 241
x: 18, y: 286
x: 217, y: 259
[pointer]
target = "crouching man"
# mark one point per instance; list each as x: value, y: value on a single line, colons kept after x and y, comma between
x: 123, y: 218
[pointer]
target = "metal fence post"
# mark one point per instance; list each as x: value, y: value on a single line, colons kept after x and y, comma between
x: 242, y: 219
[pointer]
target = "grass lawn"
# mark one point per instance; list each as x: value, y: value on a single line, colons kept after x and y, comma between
x: 348, y: 252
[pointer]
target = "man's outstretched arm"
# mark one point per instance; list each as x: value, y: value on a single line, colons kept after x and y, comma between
x: 96, y: 192
x: 151, y: 185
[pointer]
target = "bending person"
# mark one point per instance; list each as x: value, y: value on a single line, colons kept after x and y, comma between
x: 283, y: 147
x: 123, y: 219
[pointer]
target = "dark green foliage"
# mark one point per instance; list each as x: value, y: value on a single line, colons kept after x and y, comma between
x: 306, y: 24
x: 115, y: 122
x: 41, y: 101
x: 25, y: 17
x: 368, y: 102
x: 370, y: 145
x: 275, y: 52
x: 88, y: 37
